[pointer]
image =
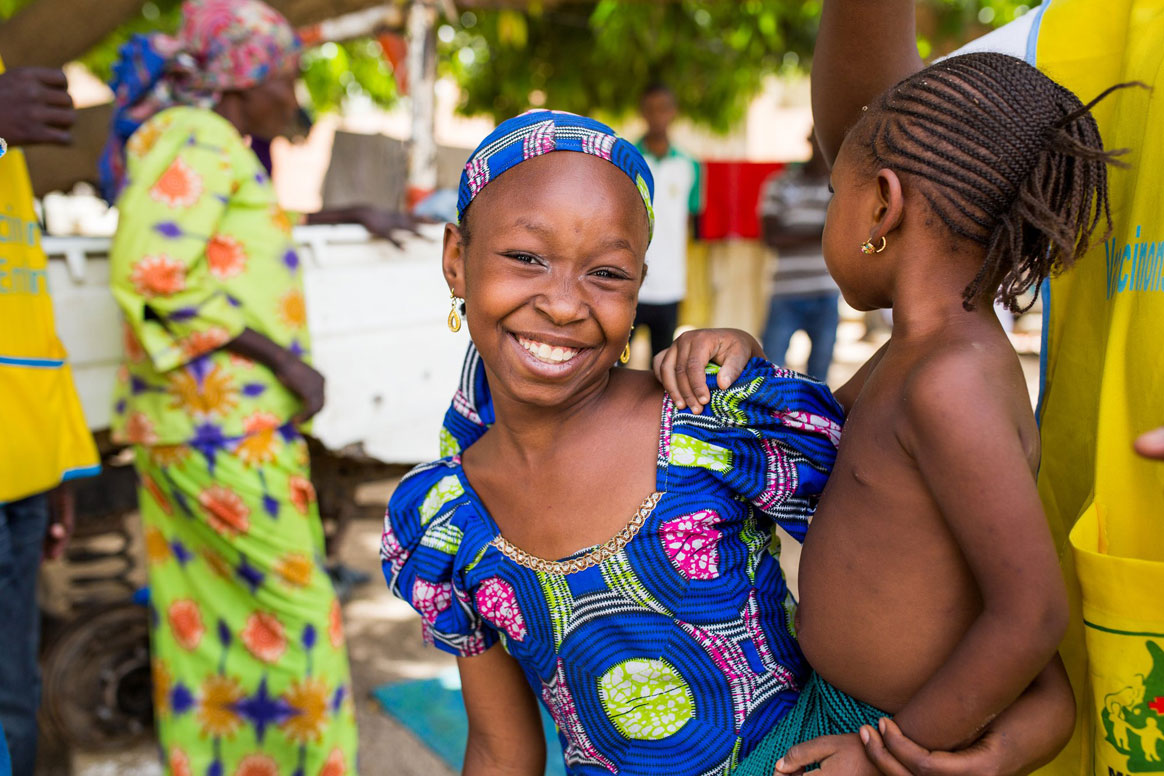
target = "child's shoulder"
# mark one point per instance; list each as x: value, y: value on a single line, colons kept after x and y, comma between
x: 962, y: 380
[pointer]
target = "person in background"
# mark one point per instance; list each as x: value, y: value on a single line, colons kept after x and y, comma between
x: 44, y: 440
x: 804, y: 296
x: 250, y: 665
x: 678, y: 198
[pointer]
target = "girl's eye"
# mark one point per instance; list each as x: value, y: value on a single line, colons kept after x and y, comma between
x: 609, y: 274
x: 524, y: 258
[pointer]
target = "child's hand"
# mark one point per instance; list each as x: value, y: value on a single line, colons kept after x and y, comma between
x: 836, y: 755
x: 682, y: 367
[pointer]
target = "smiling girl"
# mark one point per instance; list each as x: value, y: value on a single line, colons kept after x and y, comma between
x: 596, y: 548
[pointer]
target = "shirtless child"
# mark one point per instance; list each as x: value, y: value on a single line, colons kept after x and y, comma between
x: 930, y: 587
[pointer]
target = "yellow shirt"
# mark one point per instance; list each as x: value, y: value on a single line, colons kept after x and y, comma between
x: 1104, y: 385
x: 43, y: 435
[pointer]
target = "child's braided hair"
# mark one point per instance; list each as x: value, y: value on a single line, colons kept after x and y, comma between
x: 1006, y: 157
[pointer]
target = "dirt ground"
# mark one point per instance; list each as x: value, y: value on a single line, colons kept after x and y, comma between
x: 384, y: 633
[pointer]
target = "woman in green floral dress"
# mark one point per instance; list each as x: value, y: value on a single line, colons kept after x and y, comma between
x: 250, y: 668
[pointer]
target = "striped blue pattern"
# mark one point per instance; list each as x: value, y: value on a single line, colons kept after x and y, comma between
x: 538, y: 132
x: 767, y: 446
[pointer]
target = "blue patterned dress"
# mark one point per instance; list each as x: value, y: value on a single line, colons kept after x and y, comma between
x: 670, y: 648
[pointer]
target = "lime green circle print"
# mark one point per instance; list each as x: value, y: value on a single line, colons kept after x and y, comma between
x: 646, y: 699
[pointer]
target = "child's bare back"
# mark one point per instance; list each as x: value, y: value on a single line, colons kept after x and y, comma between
x: 886, y: 591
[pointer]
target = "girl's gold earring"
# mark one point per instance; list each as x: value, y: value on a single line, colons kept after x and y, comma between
x: 455, y: 313
x: 867, y: 246
x: 625, y: 357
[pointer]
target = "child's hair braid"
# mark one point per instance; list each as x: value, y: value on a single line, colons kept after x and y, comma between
x: 1006, y: 158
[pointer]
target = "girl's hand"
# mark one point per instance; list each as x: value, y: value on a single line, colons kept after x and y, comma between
x: 837, y: 756
x: 682, y: 368
x: 1025, y: 736
x: 897, y: 755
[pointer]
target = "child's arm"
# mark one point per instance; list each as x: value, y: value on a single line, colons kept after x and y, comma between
x: 963, y: 434
x: 1023, y: 738
x: 682, y: 368
x: 1027, y: 735
x: 505, y: 728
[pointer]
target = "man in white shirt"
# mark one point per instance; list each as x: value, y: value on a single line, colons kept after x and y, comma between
x: 677, y: 200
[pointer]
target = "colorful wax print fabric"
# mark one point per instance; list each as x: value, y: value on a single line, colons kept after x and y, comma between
x: 539, y: 132
x: 220, y: 45
x: 668, y: 652
x: 249, y: 662
x: 202, y: 251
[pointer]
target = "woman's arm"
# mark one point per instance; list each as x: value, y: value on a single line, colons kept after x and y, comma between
x: 1024, y: 737
x: 382, y: 223
x: 863, y: 48
x: 505, y: 727
x: 300, y: 378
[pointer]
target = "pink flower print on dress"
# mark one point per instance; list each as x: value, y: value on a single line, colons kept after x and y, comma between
x: 692, y: 544
x: 477, y: 173
x: 807, y: 421
x: 497, y: 603
x: 539, y: 141
x: 431, y: 599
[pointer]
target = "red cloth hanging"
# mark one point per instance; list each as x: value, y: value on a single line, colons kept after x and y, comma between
x: 731, y: 199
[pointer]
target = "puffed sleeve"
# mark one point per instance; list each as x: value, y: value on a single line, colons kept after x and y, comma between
x: 771, y: 438
x: 423, y: 559
x: 471, y: 412
x: 178, y: 190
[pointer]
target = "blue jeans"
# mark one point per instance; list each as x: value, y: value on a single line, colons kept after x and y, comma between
x: 22, y: 528
x: 816, y: 316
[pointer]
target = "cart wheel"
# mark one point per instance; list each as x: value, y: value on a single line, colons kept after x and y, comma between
x: 97, y: 684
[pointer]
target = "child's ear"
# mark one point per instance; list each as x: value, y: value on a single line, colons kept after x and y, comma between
x: 890, y: 203
x: 453, y: 259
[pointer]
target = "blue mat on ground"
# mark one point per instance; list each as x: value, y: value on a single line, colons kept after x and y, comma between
x: 433, y: 710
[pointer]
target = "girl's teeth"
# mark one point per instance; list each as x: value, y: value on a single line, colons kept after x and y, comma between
x: 549, y: 353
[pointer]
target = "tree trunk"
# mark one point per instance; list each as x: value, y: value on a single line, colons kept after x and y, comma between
x: 50, y: 33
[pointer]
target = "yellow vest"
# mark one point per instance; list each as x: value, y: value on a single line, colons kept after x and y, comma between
x: 43, y: 436
x: 1104, y: 385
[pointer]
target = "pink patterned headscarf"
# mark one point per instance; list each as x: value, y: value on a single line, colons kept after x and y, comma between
x: 222, y: 45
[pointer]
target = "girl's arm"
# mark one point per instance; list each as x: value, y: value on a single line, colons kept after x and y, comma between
x: 863, y: 48
x: 505, y: 727
x: 961, y: 428
x: 1022, y: 739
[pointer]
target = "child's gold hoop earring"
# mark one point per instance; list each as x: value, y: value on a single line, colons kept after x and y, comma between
x: 455, y: 313
x: 625, y: 357
x: 867, y: 246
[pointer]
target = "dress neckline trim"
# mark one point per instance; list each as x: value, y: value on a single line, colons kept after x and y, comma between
x: 588, y: 558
